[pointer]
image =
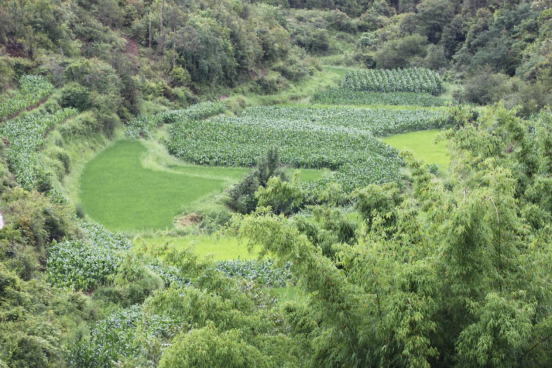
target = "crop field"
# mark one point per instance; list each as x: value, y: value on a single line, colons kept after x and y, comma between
x: 378, y: 121
x: 344, y: 96
x: 32, y: 90
x: 418, y: 80
x: 340, y: 139
x: 142, y: 126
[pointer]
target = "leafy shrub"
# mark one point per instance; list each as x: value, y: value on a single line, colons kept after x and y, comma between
x: 269, y: 84
x: 76, y: 96
x: 399, y: 52
x: 241, y: 197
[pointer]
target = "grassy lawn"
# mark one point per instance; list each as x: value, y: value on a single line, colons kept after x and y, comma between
x: 117, y: 191
x: 219, y: 247
x: 422, y: 144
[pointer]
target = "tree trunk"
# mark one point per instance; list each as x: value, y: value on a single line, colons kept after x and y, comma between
x: 161, y: 44
x: 149, y: 31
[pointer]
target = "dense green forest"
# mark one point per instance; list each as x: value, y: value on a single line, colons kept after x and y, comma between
x: 275, y: 183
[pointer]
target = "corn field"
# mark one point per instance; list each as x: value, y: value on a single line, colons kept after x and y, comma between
x: 32, y: 90
x: 419, y: 80
x: 303, y: 141
x: 344, y: 96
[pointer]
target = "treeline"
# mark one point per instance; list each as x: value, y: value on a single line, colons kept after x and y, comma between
x: 158, y: 49
x: 170, y: 51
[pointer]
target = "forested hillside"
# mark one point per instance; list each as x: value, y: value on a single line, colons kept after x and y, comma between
x: 275, y: 183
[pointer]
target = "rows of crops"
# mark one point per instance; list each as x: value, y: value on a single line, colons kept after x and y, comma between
x: 344, y: 96
x: 142, y: 126
x: 32, y: 90
x: 420, y: 80
x: 378, y: 121
x: 26, y: 136
x: 85, y: 264
x: 227, y: 141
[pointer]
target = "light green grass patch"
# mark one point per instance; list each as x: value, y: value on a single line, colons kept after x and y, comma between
x: 297, y: 91
x: 117, y: 191
x: 424, y: 146
x: 220, y: 248
x: 341, y: 71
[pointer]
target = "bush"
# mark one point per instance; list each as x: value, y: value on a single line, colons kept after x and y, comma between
x: 6, y: 74
x: 400, y: 53
x: 269, y: 84
x: 77, y: 96
x: 241, y: 197
x: 180, y: 77
x: 483, y: 88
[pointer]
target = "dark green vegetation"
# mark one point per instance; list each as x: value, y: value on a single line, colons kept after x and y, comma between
x: 434, y: 257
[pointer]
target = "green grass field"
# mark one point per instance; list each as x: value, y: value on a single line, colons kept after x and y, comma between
x: 119, y: 192
x: 423, y: 145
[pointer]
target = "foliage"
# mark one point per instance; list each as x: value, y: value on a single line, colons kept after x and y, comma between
x: 441, y: 273
x: 33, y: 89
x: 262, y: 272
x: 398, y: 53
x: 405, y: 80
x: 242, y: 196
x: 282, y: 197
x: 76, y: 96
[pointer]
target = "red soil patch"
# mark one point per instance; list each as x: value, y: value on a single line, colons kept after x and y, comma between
x: 131, y: 47
x: 188, y: 220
